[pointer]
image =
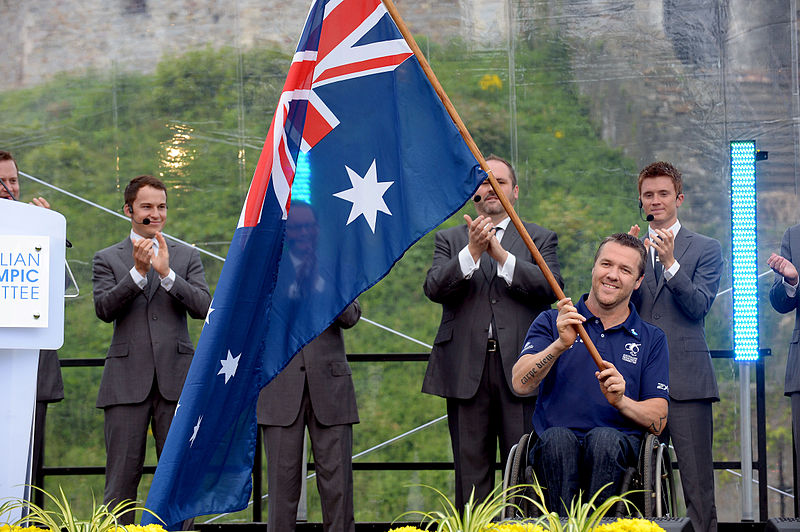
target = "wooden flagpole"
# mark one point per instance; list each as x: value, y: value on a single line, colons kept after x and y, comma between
x: 515, y: 219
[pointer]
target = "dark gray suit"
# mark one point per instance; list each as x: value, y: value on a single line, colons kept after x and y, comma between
x: 314, y: 390
x: 783, y: 303
x: 679, y: 308
x: 481, y: 405
x: 49, y: 389
x: 149, y: 356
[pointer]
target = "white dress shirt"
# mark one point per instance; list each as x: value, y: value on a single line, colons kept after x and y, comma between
x: 140, y: 280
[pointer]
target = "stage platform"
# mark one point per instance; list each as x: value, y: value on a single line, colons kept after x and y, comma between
x: 675, y: 525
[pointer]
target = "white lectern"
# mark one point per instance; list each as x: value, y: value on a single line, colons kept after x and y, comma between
x: 32, y: 258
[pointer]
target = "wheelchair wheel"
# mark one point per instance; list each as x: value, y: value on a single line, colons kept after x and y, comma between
x: 646, y: 463
x: 666, y: 505
x: 515, y: 465
x: 655, y: 468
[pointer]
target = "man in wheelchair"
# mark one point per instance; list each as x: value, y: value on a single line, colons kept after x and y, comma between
x: 590, y: 423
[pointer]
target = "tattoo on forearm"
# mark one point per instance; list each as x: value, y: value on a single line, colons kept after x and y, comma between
x: 657, y: 426
x: 543, y: 363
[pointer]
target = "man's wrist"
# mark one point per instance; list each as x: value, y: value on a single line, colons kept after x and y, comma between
x: 559, y: 346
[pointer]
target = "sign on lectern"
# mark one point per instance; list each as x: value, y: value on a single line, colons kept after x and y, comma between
x: 32, y: 260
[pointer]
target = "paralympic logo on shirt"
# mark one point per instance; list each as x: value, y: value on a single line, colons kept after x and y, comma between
x: 632, y: 349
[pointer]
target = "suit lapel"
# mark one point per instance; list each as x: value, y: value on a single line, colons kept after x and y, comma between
x: 125, y: 250
x: 650, y: 275
x: 489, y: 265
x: 511, y: 237
x: 153, y: 283
x: 682, y: 241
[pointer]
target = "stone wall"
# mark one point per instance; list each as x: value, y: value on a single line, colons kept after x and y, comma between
x: 44, y: 37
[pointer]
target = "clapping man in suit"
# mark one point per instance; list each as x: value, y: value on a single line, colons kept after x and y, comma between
x: 783, y: 296
x: 680, y: 283
x: 490, y: 290
x: 146, y: 287
x: 49, y: 385
x: 315, y: 390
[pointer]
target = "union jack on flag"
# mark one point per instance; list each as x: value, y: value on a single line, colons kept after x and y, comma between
x: 387, y: 165
x: 302, y: 119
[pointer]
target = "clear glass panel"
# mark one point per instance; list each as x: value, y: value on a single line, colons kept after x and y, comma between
x: 579, y: 95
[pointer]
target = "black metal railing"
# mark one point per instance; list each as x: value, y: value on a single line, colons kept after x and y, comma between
x: 760, y: 464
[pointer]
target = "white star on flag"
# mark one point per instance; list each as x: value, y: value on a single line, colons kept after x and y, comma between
x: 229, y: 366
x: 366, y: 195
x: 210, y: 310
x: 194, y: 431
x: 176, y: 409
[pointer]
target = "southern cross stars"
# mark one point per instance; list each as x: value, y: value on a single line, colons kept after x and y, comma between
x: 229, y: 366
x: 366, y: 195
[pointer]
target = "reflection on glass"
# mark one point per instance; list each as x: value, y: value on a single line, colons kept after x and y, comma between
x: 177, y: 152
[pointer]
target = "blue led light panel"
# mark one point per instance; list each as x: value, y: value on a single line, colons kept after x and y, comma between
x: 301, y: 186
x: 745, y: 259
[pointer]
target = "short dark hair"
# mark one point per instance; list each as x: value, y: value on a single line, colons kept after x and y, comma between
x: 659, y: 169
x: 493, y: 157
x: 142, y: 181
x: 6, y: 156
x: 629, y: 241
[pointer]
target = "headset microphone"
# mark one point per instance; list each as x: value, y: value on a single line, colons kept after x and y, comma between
x: 649, y: 217
x: 477, y: 198
x: 145, y: 221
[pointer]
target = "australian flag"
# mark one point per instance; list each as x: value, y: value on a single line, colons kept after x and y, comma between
x: 361, y: 161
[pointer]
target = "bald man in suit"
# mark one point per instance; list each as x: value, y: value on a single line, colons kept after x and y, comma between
x: 146, y: 287
x: 315, y: 391
x: 490, y: 290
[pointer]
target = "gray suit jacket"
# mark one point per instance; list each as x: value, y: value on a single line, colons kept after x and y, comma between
x: 49, y: 385
x: 457, y: 359
x: 679, y: 308
x: 151, y: 337
x: 783, y: 304
x: 330, y: 384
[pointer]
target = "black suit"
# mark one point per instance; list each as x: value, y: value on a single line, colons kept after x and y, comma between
x: 783, y: 303
x: 315, y: 390
x: 49, y: 389
x: 148, y: 358
x: 481, y: 405
x: 679, y: 307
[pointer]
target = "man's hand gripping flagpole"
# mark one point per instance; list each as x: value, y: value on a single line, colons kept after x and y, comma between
x: 515, y: 219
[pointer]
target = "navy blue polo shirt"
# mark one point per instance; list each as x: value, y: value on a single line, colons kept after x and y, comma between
x: 570, y: 396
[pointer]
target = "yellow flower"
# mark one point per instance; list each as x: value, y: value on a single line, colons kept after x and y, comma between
x: 630, y: 525
x: 9, y: 528
x: 490, y: 82
x: 140, y: 528
x: 515, y: 527
x: 406, y: 529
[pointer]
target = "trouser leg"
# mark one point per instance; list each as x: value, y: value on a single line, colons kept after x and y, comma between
x: 556, y: 461
x: 691, y: 430
x: 284, y: 447
x: 126, y: 435
x: 607, y: 453
x: 474, y: 447
x: 333, y: 450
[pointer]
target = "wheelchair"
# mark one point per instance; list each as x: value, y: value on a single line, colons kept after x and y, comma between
x: 651, y: 479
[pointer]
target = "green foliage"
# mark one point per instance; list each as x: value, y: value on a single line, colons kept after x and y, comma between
x: 102, y: 517
x: 477, y: 516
